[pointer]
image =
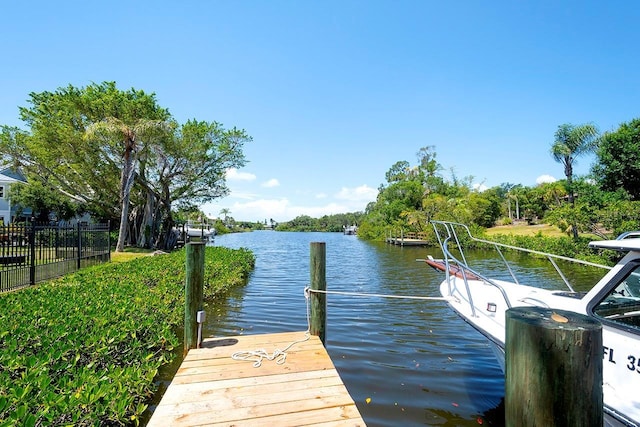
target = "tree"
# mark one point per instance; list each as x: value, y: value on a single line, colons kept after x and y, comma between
x: 99, y: 146
x: 427, y: 160
x: 225, y: 213
x: 43, y: 200
x: 190, y: 168
x: 132, y: 136
x: 56, y: 147
x: 485, y: 207
x: 398, y: 172
x: 618, y: 159
x: 571, y: 142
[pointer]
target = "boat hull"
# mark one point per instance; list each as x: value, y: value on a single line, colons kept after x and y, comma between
x: 476, y: 295
x: 196, y: 232
x: 489, y: 320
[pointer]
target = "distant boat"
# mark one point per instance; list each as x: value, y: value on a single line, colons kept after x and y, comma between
x: 350, y: 229
x: 204, y: 231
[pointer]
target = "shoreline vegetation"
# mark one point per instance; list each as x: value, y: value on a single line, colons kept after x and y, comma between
x: 539, y: 237
x: 85, y: 349
x: 546, y: 238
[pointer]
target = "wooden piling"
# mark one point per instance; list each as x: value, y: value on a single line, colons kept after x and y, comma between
x: 194, y: 288
x: 318, y: 300
x: 553, y: 368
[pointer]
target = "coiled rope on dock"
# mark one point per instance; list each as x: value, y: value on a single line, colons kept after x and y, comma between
x: 279, y: 355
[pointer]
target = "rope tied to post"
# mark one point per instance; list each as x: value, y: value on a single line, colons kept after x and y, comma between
x: 280, y: 356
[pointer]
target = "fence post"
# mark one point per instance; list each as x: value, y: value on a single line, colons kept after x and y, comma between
x: 194, y: 288
x: 32, y: 249
x: 109, y: 240
x: 318, y: 300
x: 553, y: 368
x: 79, y: 241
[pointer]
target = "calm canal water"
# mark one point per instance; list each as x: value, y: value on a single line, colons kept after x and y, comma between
x: 404, y: 362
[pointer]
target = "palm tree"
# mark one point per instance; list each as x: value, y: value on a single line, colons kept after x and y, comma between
x: 131, y: 137
x: 571, y: 142
x: 225, y: 212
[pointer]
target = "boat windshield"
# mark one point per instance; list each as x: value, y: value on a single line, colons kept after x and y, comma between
x: 622, y: 303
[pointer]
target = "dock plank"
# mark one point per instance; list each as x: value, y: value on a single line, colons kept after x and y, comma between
x: 210, y: 388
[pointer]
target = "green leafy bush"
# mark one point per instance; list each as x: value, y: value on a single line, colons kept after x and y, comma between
x: 564, y: 246
x: 84, y: 349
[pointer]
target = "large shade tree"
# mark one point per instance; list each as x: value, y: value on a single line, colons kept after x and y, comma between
x: 100, y: 145
x: 186, y: 170
x: 133, y: 136
x: 56, y: 147
x: 571, y: 142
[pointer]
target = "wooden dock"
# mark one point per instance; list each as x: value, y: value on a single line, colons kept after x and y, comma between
x: 408, y: 239
x: 210, y: 388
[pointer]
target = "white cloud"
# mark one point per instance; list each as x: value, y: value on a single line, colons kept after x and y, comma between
x: 480, y: 187
x: 253, y: 210
x: 364, y: 193
x: 253, y: 207
x: 319, y: 211
x: 243, y: 195
x: 542, y: 179
x: 233, y: 175
x: 271, y: 183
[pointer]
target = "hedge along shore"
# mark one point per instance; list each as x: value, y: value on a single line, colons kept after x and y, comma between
x: 85, y: 349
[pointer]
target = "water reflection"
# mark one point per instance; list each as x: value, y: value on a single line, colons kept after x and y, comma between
x: 405, y: 362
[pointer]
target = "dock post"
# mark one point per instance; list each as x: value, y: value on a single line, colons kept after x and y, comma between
x: 318, y: 300
x: 553, y: 368
x: 194, y: 288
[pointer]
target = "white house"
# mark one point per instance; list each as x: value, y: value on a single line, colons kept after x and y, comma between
x: 7, y: 178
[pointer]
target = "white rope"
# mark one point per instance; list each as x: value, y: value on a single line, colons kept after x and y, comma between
x: 280, y: 356
x: 359, y: 294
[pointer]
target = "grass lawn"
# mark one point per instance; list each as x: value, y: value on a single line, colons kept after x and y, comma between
x: 129, y: 254
x: 526, y: 230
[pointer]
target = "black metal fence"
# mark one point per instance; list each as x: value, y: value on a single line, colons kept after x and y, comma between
x: 31, y: 253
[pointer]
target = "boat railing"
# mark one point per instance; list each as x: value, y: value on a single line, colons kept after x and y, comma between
x: 447, y: 232
x: 629, y: 235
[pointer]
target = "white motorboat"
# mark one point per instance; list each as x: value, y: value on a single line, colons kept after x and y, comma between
x: 201, y: 230
x: 482, y: 299
x: 350, y: 230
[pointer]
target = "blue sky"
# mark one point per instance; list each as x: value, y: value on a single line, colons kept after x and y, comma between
x: 335, y: 92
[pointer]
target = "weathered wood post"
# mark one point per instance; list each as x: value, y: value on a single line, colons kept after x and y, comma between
x: 318, y: 300
x: 194, y: 288
x: 553, y: 368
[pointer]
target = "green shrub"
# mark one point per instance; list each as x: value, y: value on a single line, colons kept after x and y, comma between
x: 564, y: 246
x: 84, y: 349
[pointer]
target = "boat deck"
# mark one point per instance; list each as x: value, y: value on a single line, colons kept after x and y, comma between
x: 210, y: 388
